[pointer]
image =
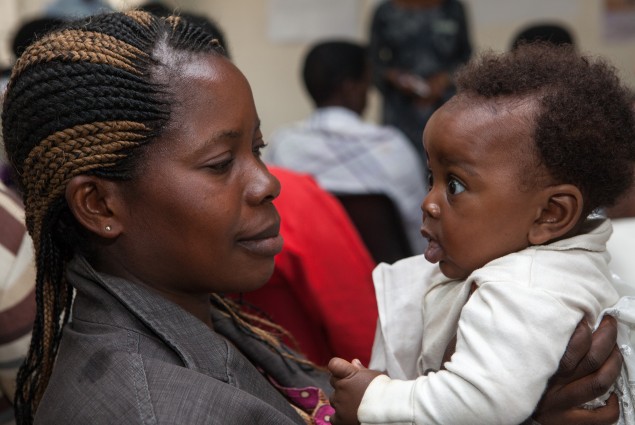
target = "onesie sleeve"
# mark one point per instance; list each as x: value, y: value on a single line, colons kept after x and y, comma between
x: 509, y: 343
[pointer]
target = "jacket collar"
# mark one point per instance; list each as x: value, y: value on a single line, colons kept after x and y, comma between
x: 146, y: 311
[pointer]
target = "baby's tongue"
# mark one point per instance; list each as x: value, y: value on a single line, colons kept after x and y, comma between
x: 433, y: 252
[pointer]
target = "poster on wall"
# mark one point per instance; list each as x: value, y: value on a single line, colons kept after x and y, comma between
x: 505, y: 12
x: 303, y: 21
x: 618, y: 20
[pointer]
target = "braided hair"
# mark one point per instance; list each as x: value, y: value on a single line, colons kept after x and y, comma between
x: 81, y: 100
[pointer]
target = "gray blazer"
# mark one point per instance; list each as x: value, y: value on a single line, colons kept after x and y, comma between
x: 129, y: 356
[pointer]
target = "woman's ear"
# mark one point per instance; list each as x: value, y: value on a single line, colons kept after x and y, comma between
x: 92, y: 201
x: 559, y: 215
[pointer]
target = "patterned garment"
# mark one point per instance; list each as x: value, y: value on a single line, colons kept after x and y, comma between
x: 345, y: 154
x: 17, y: 296
x: 311, y: 403
x: 424, y: 41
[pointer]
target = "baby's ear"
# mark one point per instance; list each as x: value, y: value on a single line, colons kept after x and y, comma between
x: 559, y: 215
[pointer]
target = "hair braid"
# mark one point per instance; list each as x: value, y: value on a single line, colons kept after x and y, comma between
x: 56, y: 300
x: 80, y: 46
x: 81, y: 100
x: 257, y: 326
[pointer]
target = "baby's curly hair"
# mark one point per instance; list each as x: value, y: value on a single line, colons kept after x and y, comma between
x: 584, y: 128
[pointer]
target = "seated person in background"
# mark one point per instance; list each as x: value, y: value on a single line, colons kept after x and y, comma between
x: 532, y: 144
x: 321, y: 290
x: 341, y: 151
x: 17, y: 296
x: 545, y: 32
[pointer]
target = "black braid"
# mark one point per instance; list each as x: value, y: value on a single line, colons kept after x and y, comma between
x: 43, y: 81
x: 80, y: 74
x: 128, y: 29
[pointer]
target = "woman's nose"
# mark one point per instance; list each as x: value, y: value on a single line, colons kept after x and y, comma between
x: 263, y: 187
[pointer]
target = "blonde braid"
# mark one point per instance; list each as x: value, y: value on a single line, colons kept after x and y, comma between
x: 68, y: 153
x: 80, y: 46
x: 246, y: 322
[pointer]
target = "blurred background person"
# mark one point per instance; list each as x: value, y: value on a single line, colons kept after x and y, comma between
x: 66, y: 9
x: 17, y: 296
x: 554, y: 33
x: 341, y: 151
x: 415, y: 47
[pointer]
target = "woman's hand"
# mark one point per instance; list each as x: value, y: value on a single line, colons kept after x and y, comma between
x: 588, y: 368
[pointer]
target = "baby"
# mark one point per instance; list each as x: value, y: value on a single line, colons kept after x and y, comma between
x: 533, y: 143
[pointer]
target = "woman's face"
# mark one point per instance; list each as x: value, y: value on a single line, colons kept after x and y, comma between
x: 200, y: 216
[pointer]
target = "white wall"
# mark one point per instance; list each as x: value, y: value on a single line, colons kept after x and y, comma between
x: 273, y: 69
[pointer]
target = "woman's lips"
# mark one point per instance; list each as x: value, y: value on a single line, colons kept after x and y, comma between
x: 433, y: 252
x: 263, y: 247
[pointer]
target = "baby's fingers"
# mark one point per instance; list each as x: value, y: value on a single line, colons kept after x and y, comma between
x: 358, y: 364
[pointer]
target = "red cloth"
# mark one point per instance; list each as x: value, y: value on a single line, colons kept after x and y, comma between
x: 321, y: 290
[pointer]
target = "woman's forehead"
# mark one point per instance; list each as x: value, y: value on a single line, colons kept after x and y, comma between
x: 210, y: 97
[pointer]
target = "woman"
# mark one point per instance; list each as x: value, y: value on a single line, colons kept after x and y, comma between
x: 137, y: 143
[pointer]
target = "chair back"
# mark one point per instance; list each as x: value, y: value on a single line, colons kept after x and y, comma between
x: 379, y: 224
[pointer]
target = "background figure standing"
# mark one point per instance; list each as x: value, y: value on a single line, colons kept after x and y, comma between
x: 341, y: 151
x: 415, y: 46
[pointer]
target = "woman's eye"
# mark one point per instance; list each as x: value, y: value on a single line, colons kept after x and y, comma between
x: 221, y: 167
x: 455, y: 187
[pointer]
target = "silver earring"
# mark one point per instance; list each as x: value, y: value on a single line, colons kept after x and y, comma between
x: 108, y: 228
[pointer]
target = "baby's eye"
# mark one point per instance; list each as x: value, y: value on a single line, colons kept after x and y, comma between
x: 455, y: 187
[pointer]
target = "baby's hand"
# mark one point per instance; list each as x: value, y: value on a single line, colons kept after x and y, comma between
x: 349, y: 380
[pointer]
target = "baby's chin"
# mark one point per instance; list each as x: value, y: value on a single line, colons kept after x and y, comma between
x: 451, y: 271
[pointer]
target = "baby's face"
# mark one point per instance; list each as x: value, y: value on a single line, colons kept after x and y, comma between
x: 477, y: 208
